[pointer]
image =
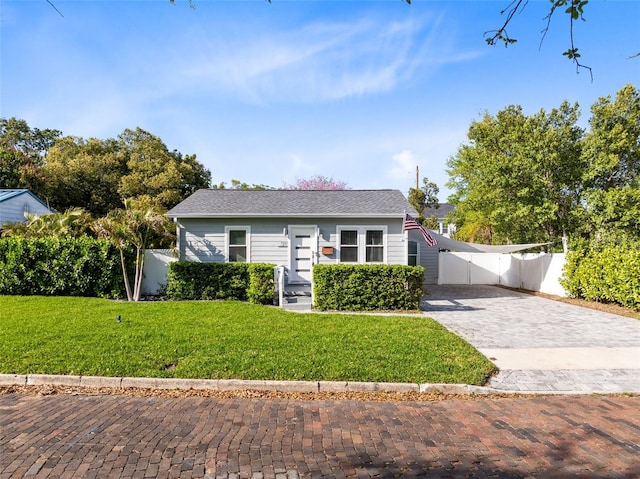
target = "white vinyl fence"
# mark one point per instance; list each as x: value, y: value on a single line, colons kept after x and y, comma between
x: 156, y: 266
x: 532, y: 271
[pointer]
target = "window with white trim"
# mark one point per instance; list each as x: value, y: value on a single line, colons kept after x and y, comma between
x: 349, y: 246
x: 237, y: 240
x: 412, y: 256
x: 374, y: 246
x: 362, y: 244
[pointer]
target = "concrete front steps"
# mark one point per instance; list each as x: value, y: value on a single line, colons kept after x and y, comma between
x: 298, y: 297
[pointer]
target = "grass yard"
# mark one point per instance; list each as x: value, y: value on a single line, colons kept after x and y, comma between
x: 225, y: 340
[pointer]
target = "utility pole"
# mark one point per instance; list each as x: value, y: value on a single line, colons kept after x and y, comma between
x: 417, y: 176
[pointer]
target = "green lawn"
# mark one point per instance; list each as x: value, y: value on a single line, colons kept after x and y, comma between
x: 223, y: 340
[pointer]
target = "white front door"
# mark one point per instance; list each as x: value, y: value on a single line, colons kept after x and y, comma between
x: 303, y: 247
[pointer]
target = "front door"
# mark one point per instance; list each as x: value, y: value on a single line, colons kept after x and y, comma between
x: 303, y: 248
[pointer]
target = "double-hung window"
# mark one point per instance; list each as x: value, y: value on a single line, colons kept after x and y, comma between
x: 362, y: 244
x: 374, y: 246
x: 237, y: 240
x: 349, y: 246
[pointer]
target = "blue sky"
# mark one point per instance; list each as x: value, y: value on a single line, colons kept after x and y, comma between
x: 361, y: 91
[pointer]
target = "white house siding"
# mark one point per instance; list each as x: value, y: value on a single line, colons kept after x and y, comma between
x: 204, y: 239
x: 12, y: 210
x: 395, y: 244
x: 427, y: 257
x: 201, y: 240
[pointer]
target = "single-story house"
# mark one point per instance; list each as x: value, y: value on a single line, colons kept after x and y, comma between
x: 14, y: 203
x: 297, y: 228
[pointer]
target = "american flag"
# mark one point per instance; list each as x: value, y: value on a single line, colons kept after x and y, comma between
x: 411, y: 224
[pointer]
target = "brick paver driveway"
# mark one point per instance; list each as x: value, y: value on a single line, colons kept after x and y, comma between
x: 540, y: 344
x: 66, y: 436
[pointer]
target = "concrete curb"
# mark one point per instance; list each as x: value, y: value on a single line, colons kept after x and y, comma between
x: 236, y: 384
x: 259, y: 385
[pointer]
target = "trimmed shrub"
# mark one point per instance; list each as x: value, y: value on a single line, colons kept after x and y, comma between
x: 608, y: 273
x: 60, y: 266
x: 261, y: 288
x: 202, y: 281
x: 360, y: 287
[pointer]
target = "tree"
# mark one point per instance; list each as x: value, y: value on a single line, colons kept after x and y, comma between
x: 165, y: 177
x: 317, y: 182
x: 240, y: 185
x: 22, y: 152
x: 85, y: 174
x: 132, y: 227
x: 519, y: 178
x: 74, y: 222
x: 425, y: 197
x: 611, y: 154
x: 98, y: 175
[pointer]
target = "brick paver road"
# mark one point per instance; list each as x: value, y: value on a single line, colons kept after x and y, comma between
x: 65, y: 436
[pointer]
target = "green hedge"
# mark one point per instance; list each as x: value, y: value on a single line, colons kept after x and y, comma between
x: 202, y: 281
x: 61, y: 267
x: 608, y: 273
x: 367, y: 287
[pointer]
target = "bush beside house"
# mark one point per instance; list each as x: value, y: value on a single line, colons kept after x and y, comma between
x: 60, y: 266
x: 361, y: 287
x: 240, y: 281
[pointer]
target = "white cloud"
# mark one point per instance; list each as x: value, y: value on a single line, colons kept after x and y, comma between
x: 299, y: 167
x: 404, y: 165
x: 315, y: 62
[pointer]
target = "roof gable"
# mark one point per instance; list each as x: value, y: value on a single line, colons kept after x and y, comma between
x: 7, y: 194
x: 210, y: 203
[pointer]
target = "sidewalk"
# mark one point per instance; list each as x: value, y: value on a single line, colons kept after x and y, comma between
x: 541, y: 345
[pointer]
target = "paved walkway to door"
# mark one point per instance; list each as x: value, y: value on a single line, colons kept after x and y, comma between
x: 540, y: 344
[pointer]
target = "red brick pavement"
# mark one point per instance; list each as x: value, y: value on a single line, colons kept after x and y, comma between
x: 66, y: 436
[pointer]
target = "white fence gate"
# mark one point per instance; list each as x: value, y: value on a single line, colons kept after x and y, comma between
x: 532, y: 271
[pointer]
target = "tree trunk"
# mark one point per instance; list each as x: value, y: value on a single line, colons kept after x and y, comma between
x: 127, y: 287
x: 139, y: 270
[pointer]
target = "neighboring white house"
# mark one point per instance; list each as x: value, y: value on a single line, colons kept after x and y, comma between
x: 445, y: 227
x: 14, y: 203
x: 296, y: 228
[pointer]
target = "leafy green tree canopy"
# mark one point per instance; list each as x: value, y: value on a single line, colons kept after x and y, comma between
x: 424, y: 197
x: 85, y: 174
x: 166, y: 177
x: 611, y: 152
x: 518, y: 179
x: 99, y: 175
x: 526, y: 179
x: 22, y: 151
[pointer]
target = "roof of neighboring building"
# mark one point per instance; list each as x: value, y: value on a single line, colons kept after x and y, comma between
x: 6, y: 194
x: 441, y: 211
x: 210, y: 203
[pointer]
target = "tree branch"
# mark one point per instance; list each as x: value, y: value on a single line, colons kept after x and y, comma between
x: 575, y: 12
x: 501, y: 34
x: 55, y: 8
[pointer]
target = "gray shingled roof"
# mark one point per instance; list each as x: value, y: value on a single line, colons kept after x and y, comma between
x: 314, y: 203
x: 443, y: 210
